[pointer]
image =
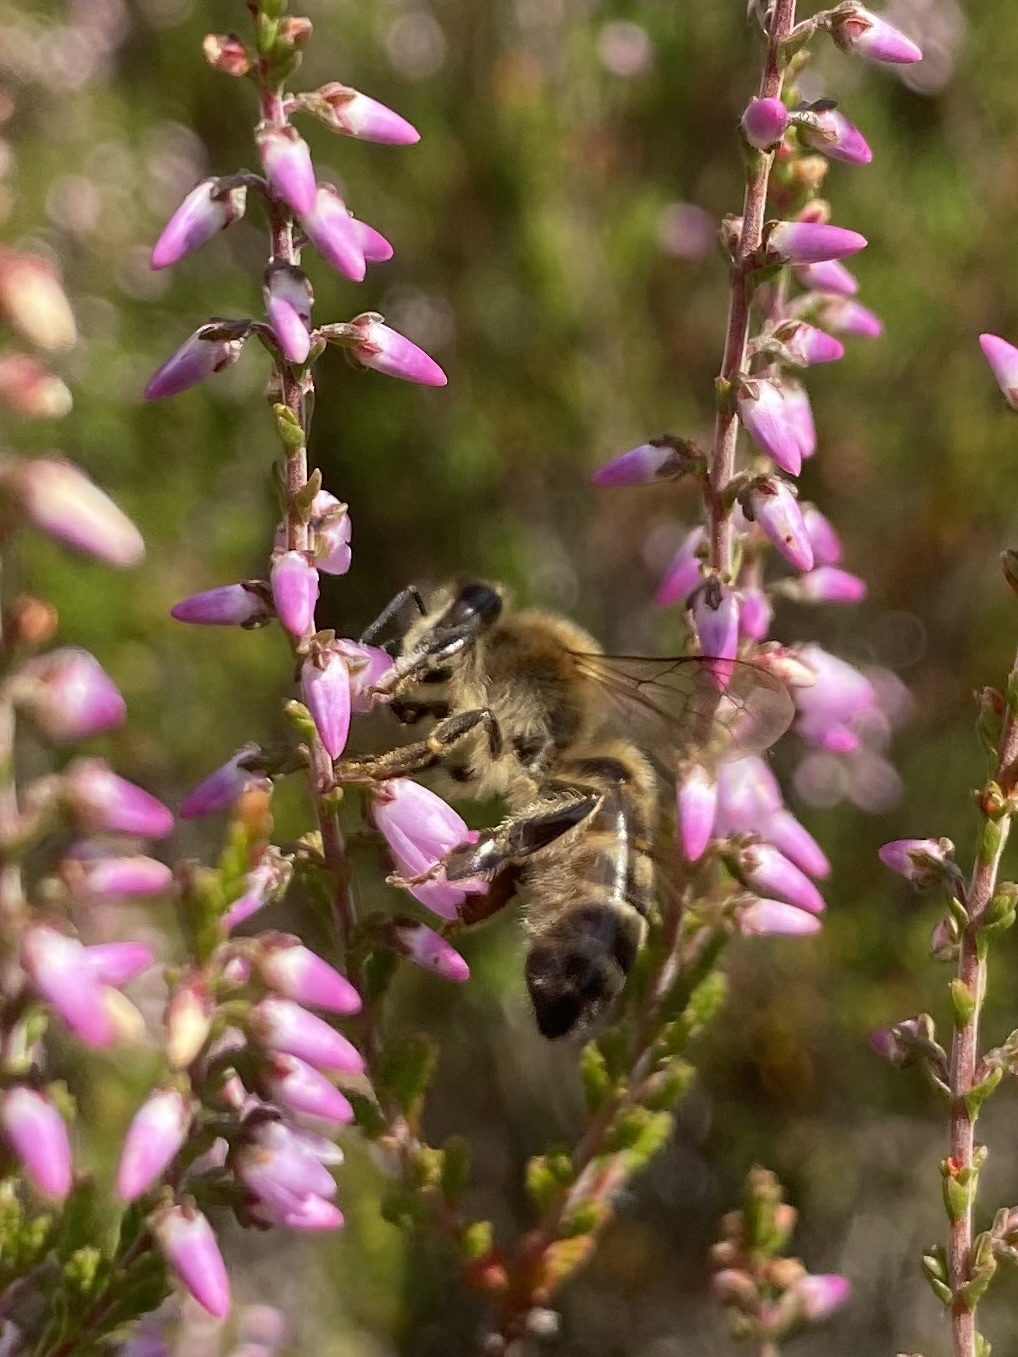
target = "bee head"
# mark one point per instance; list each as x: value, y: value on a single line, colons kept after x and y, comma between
x: 572, y: 983
x: 475, y: 607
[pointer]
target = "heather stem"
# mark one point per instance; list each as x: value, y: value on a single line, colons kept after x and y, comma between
x: 972, y: 975
x: 726, y: 426
x: 13, y: 905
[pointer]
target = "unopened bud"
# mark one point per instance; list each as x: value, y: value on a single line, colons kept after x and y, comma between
x: 225, y: 52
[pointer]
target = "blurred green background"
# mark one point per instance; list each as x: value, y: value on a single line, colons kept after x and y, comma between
x: 549, y: 255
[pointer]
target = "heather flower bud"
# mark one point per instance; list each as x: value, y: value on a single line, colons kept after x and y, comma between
x: 764, y: 870
x: 764, y: 123
x: 155, y: 1134
x: 296, y: 972
x: 830, y: 276
x: 822, y: 536
x: 232, y: 605
x: 850, y: 317
x: 831, y: 132
x: 187, y: 1242
x: 662, y: 459
x: 803, y: 242
x: 331, y: 230
x: 29, y: 389
x: 696, y: 796
x: 288, y: 300
x: 294, y: 582
x: 100, y: 800
x: 762, y: 408
x: 32, y: 298
x: 799, y: 414
x: 819, y: 1296
x: 756, y: 613
x: 1003, y: 360
x: 775, y: 917
x: 286, y: 161
x: 922, y: 862
x: 203, y: 354
x: 374, y: 246
x: 37, y: 1134
x: 223, y: 787
x: 110, y: 878
x: 355, y: 115
x: 114, y: 963
x: 428, y: 949
x: 776, y: 511
x: 297, y: 1087
x: 60, y: 500
x: 325, y: 687
x: 60, y: 971
x: 225, y: 52
x: 188, y: 1021
x: 206, y: 210
x: 829, y: 584
x: 716, y: 616
x: 855, y: 29
x: 420, y: 829
x: 376, y: 346
x: 796, y: 843
x: 68, y: 694
x: 280, y: 1025
x: 366, y: 666
x: 331, y: 530
x: 683, y: 573
x: 809, y: 345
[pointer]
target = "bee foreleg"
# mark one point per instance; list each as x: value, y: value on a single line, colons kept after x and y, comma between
x: 415, y: 758
x: 519, y: 837
x: 391, y: 610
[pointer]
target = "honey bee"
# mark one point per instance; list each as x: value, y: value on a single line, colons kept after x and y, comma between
x: 525, y: 705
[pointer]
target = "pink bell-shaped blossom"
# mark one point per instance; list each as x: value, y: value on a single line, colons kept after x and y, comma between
x: 188, y: 1243
x: 776, y: 512
x: 223, y: 787
x: 157, y: 1131
x: 286, y: 161
x: 429, y: 950
x: 294, y: 582
x: 764, y: 123
x: 775, y: 916
x: 653, y: 461
x: 809, y: 242
x: 231, y: 605
x: 922, y: 862
x: 206, y: 210
x: 684, y: 571
x: 830, y: 584
x: 849, y: 317
x: 68, y: 694
x: 376, y: 346
x: 296, y: 972
x: 37, y: 1134
x: 60, y: 971
x: 837, y: 138
x: 823, y: 537
x: 809, y: 345
x: 60, y: 500
x: 288, y: 300
x: 299, y: 1088
x: 330, y: 229
x: 755, y: 614
x: 365, y: 665
x: 331, y: 531
x: 99, y: 876
x: 280, y: 1025
x: 762, y: 408
x: 696, y: 795
x: 325, y: 686
x: 114, y: 963
x: 187, y: 1020
x: 420, y: 829
x: 100, y: 800
x: 1003, y: 360
x: 33, y: 299
x: 855, y: 29
x: 203, y: 354
x: 716, y: 616
x: 374, y: 246
x: 764, y: 870
x: 830, y: 276
x: 354, y: 114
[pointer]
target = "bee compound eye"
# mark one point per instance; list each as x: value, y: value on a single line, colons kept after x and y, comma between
x: 570, y: 985
x: 474, y: 602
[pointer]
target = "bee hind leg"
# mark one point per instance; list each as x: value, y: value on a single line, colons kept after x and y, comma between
x: 519, y: 837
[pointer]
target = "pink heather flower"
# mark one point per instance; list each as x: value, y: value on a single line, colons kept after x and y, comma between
x: 205, y: 211
x: 92, y: 878
x: 30, y: 389
x: 33, y: 299
x: 157, y: 1131
x: 325, y: 687
x: 922, y: 862
x: 386, y: 351
x: 837, y: 138
x: 296, y: 972
x: 653, y: 461
x: 280, y: 1025
x: 294, y: 582
x: 776, y: 511
x: 830, y: 584
x: 199, y: 357
x: 857, y: 30
x: 331, y: 528
x: 821, y: 1295
x: 114, y: 963
x: 809, y: 345
x: 374, y: 246
x: 231, y: 605
x: 775, y: 916
x: 683, y: 573
x: 289, y: 1184
x: 68, y: 694
x: 297, y: 1087
x: 696, y: 806
x: 764, y: 123
x: 37, y: 1134
x: 99, y: 800
x: 762, y: 408
x: 288, y: 300
x: 60, y: 500
x: 799, y: 414
x: 264, y: 884
x: 809, y: 242
x: 822, y: 535
x: 356, y: 115
x: 188, y: 1021
x: 830, y: 276
x: 831, y: 708
x: 764, y: 870
x: 795, y: 842
x: 428, y: 949
x: 748, y: 793
x: 60, y: 971
x: 756, y: 614
x: 223, y: 787
x: 850, y: 317
x: 286, y: 161
x: 187, y: 1242
x: 716, y: 615
x: 420, y: 829
x: 365, y: 666
x: 1003, y: 360
x: 330, y: 229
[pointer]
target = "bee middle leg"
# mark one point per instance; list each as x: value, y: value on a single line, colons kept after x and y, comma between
x: 416, y: 758
x: 520, y: 836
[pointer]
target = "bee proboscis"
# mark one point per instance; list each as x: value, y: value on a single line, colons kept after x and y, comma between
x: 526, y: 706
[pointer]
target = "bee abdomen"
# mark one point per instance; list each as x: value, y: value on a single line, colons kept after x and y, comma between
x: 577, y: 967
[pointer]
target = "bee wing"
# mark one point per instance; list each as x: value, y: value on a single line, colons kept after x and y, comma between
x: 670, y: 706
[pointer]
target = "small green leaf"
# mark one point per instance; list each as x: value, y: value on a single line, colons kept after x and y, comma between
x: 597, y: 1085
x: 978, y: 1093
x: 476, y: 1240
x: 964, y: 1002
x: 368, y: 1115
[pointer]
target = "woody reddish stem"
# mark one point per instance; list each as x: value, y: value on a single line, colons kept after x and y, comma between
x: 726, y: 424
x: 972, y: 973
